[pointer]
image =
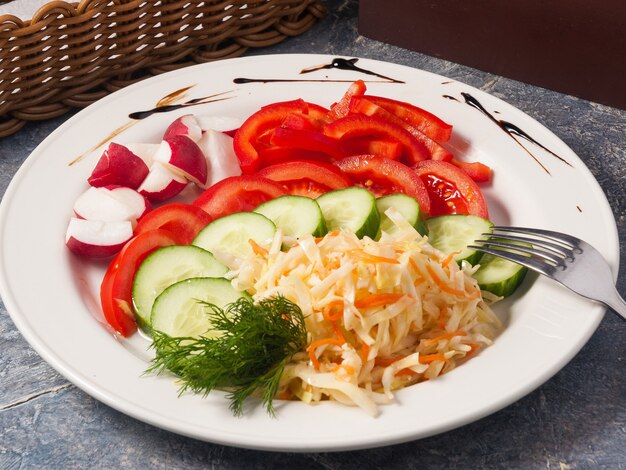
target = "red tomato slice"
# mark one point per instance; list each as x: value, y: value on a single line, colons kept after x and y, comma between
x: 362, y: 105
x: 342, y: 107
x: 451, y: 190
x: 181, y: 219
x: 359, y: 125
x: 428, y: 123
x: 238, y: 194
x: 117, y: 285
x: 259, y: 123
x: 306, y: 178
x: 384, y: 176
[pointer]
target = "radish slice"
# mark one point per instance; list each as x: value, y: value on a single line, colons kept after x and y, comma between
x: 161, y: 183
x: 144, y: 151
x: 221, y: 159
x: 186, y: 125
x: 97, y: 239
x: 131, y: 199
x: 219, y: 123
x: 119, y: 165
x: 183, y: 156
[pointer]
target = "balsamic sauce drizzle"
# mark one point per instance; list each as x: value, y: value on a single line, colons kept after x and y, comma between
x: 336, y: 63
x: 348, y: 64
x: 511, y: 130
x: 172, y: 107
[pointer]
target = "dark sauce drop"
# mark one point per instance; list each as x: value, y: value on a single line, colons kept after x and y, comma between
x: 448, y: 97
x: 512, y: 130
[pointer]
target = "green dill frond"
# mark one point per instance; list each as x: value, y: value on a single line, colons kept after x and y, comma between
x: 255, y: 343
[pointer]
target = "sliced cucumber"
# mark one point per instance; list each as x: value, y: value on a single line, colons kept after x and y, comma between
x: 178, y: 311
x: 230, y: 235
x: 450, y: 233
x: 408, y: 207
x: 164, y: 267
x: 499, y: 276
x: 352, y: 209
x: 295, y: 215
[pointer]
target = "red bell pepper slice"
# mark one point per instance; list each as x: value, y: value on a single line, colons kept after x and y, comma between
x: 307, y: 140
x: 426, y: 122
x: 362, y: 105
x: 267, y: 118
x: 387, y: 148
x: 359, y: 125
x: 342, y: 107
x: 479, y: 172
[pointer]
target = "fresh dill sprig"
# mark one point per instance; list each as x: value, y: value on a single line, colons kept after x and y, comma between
x: 254, y: 344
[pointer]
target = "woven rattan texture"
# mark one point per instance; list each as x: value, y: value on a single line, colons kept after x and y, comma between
x: 70, y: 55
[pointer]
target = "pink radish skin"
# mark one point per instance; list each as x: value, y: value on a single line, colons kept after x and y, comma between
x: 97, y: 239
x: 186, y: 125
x: 111, y: 204
x: 183, y: 156
x: 162, y: 184
x: 120, y: 166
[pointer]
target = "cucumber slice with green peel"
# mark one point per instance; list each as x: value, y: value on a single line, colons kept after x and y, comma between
x: 450, y: 233
x: 499, y: 276
x: 231, y: 234
x: 166, y: 266
x: 295, y: 215
x: 407, y: 206
x: 352, y: 209
x: 178, y: 310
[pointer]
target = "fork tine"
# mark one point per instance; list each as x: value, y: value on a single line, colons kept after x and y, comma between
x: 550, y: 248
x: 555, y: 259
x: 573, y: 242
x: 531, y: 263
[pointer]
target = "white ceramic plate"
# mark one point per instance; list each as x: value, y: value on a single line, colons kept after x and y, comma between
x: 53, y: 296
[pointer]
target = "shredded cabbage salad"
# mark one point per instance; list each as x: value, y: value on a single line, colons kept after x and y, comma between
x: 380, y: 315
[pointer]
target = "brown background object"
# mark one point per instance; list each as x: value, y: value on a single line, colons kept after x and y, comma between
x: 72, y: 54
x: 573, y: 46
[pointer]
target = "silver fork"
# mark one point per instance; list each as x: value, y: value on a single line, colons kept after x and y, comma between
x: 568, y: 260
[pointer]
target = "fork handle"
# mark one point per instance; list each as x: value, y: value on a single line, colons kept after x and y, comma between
x: 617, y: 303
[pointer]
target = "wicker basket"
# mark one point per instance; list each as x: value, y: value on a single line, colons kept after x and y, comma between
x: 70, y: 55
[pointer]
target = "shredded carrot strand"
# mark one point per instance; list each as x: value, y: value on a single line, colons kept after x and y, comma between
x: 333, y: 311
x: 414, y: 266
x: 406, y: 371
x: 377, y: 300
x: 450, y: 335
x: 442, y: 285
x: 428, y: 358
x: 446, y: 261
x: 257, y: 249
x: 365, y: 352
x: 315, y: 344
x: 370, y: 258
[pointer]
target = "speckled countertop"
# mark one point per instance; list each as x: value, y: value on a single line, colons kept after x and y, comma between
x: 577, y: 420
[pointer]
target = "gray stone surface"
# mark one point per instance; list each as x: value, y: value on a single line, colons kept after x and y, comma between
x: 577, y: 420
